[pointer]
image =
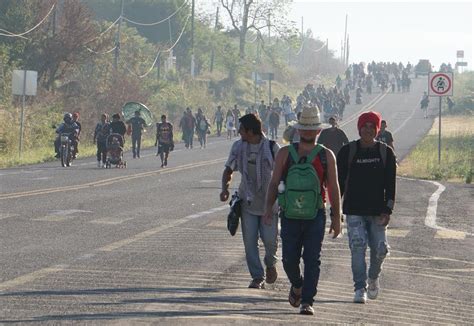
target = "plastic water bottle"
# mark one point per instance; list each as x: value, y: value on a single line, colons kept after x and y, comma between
x: 281, y: 187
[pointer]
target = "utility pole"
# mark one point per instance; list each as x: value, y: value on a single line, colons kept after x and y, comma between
x: 345, y: 43
x: 302, y: 40
x: 327, y: 55
x: 215, y: 31
x: 117, y: 39
x: 269, y: 25
x: 192, y: 39
x: 342, y: 50
x: 54, y: 19
x: 347, y: 51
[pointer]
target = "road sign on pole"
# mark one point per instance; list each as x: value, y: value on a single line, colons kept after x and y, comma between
x: 460, y: 54
x: 23, y: 83
x: 440, y: 84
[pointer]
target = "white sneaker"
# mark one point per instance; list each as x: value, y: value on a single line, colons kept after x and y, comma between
x: 373, y: 288
x: 360, y: 296
x: 99, y: 164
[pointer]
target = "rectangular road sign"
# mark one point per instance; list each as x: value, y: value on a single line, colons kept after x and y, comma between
x: 440, y: 84
x: 18, y: 82
x: 461, y: 64
x: 460, y: 54
x: 268, y: 75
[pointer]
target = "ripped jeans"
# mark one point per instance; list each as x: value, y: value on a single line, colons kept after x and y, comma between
x: 363, y: 231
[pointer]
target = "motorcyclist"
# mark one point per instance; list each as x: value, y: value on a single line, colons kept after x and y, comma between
x: 67, y: 127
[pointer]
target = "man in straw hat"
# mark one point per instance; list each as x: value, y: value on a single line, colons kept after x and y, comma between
x: 305, y: 230
x: 367, y: 175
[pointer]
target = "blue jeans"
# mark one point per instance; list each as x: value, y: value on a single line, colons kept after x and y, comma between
x: 252, y: 227
x: 296, y: 234
x: 363, y: 231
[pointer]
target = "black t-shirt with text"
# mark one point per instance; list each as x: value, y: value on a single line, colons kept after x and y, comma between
x: 371, y: 184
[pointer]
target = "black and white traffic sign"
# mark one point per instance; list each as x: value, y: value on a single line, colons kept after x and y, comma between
x: 440, y: 84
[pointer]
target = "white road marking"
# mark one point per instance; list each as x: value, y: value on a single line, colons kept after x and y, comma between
x: 68, y: 212
x: 397, y: 233
x: 60, y: 215
x: 365, y: 107
x: 31, y: 276
x: 405, y: 122
x: 450, y: 234
x: 430, y: 218
x: 41, y: 178
x: 7, y: 215
x: 111, y: 220
x: 147, y: 233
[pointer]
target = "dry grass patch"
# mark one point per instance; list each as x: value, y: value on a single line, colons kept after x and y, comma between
x: 457, y: 152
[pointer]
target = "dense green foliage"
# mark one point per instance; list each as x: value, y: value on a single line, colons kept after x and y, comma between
x: 73, y: 52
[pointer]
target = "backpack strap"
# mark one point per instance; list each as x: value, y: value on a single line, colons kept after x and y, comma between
x: 313, y: 153
x: 352, y: 152
x: 324, y: 162
x: 383, y: 152
x: 271, y: 143
x: 292, y: 151
x: 350, y: 158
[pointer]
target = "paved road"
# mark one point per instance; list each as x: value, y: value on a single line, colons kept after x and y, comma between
x: 146, y: 244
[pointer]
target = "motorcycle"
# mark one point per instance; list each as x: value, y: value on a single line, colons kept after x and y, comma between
x: 66, y: 149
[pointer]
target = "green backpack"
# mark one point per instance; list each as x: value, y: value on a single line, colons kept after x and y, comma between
x: 302, y: 196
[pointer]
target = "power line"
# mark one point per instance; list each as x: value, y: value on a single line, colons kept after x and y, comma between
x: 95, y: 52
x: 158, y: 22
x: 161, y: 51
x: 10, y: 34
x: 105, y: 31
x: 322, y: 47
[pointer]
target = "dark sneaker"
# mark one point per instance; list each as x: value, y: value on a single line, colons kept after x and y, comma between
x: 294, y: 297
x: 271, y: 274
x: 257, y: 284
x: 306, y: 309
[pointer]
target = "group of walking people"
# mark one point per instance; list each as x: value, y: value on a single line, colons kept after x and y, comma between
x: 134, y: 127
x: 293, y: 183
x: 191, y: 124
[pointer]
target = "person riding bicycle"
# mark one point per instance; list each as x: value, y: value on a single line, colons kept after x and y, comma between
x: 67, y: 127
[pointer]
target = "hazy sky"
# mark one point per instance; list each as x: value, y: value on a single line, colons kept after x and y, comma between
x: 388, y: 30
x: 392, y: 31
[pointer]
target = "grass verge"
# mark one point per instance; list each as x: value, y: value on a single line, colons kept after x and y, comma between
x: 457, y: 151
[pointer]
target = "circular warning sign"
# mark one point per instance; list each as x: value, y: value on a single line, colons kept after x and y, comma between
x: 441, y: 84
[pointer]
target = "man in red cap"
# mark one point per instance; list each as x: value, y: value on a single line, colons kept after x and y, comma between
x: 367, y: 176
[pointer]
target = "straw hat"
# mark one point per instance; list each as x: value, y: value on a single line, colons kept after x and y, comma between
x: 310, y: 119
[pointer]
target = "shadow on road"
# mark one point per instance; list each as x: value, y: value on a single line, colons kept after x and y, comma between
x: 217, y: 303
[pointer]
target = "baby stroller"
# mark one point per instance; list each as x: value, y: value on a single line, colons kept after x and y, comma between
x: 115, y: 151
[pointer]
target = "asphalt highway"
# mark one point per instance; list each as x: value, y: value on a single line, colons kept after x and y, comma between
x: 148, y: 244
